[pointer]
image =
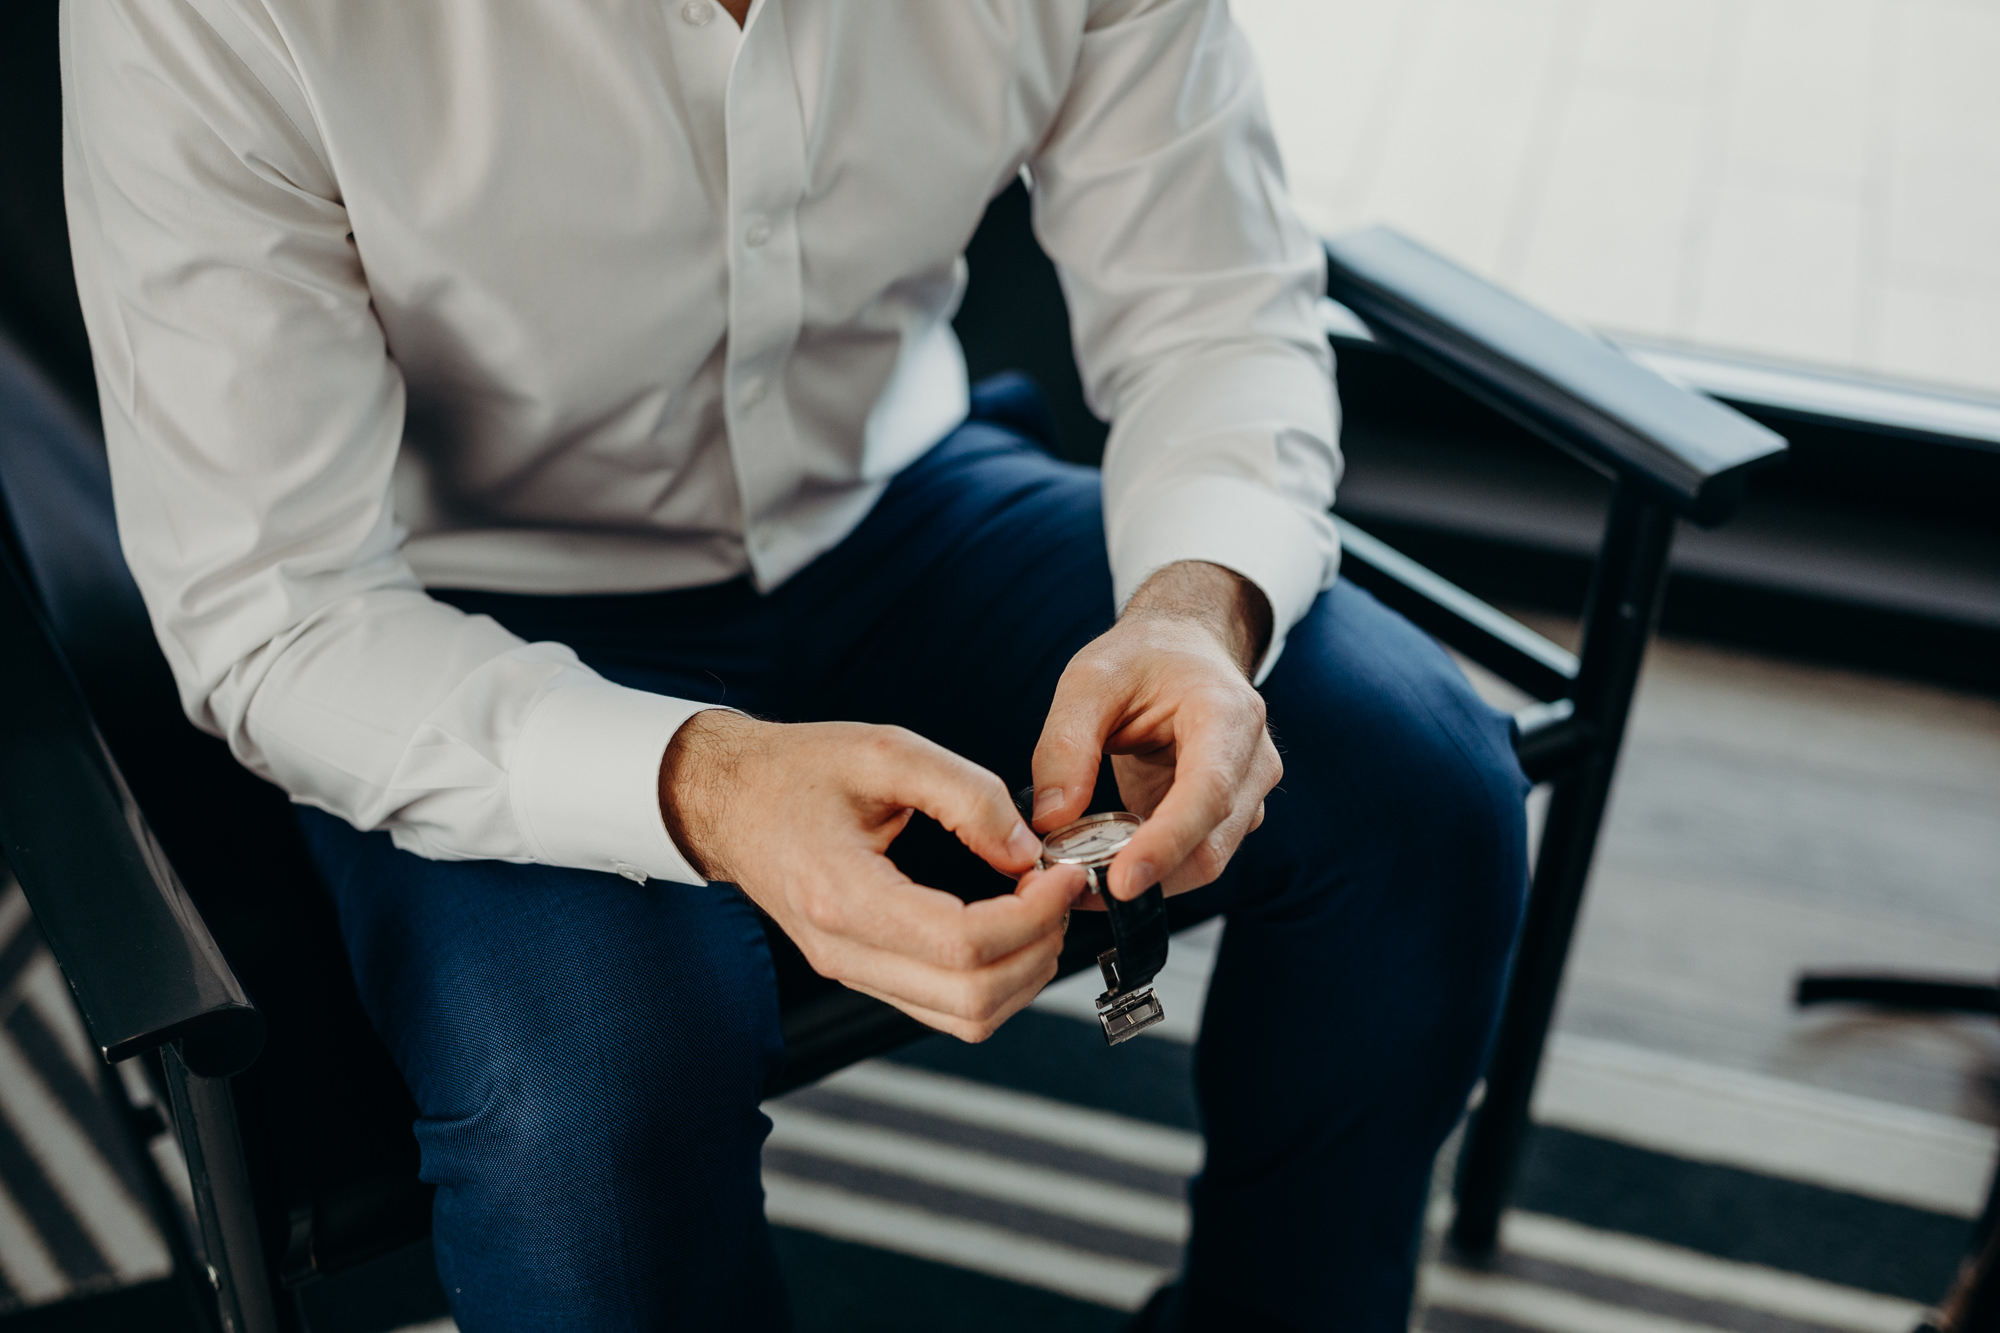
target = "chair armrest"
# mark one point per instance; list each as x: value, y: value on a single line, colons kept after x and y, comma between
x: 136, y: 953
x: 1684, y: 448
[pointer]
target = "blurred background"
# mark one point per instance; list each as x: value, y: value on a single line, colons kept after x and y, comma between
x: 1791, y: 204
x: 1808, y: 181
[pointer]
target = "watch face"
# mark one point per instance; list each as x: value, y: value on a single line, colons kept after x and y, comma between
x: 1090, y: 841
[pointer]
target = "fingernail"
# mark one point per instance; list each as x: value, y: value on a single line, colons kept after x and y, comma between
x: 1023, y: 845
x: 1139, y: 877
x: 1047, y: 801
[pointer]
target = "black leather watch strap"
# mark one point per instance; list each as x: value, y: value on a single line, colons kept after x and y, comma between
x: 1139, y: 929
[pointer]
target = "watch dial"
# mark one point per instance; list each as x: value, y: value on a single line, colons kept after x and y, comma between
x: 1093, y: 842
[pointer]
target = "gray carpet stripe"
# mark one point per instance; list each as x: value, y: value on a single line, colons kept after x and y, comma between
x: 16, y: 952
x: 1722, y: 1315
x: 1016, y: 1147
x: 91, y: 1112
x: 64, y: 1236
x: 1459, y: 1321
x: 14, y: 911
x: 946, y: 1202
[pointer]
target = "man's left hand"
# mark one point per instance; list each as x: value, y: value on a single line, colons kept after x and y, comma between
x: 1166, y: 692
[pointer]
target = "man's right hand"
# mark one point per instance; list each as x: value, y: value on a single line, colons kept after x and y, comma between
x: 801, y: 815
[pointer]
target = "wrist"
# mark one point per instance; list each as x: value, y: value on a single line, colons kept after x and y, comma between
x: 1230, y: 607
x: 702, y: 764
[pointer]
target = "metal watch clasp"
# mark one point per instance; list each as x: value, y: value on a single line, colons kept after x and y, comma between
x: 1125, y: 1016
x: 1090, y: 844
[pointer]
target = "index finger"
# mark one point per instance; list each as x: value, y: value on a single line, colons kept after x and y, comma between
x: 903, y: 768
x: 892, y: 912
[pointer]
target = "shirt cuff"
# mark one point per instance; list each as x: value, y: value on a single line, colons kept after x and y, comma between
x: 585, y: 780
x: 1290, y: 553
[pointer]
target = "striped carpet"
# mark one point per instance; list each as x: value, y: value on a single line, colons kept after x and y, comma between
x: 1040, y: 1181
x: 72, y: 1217
x: 1091, y: 1205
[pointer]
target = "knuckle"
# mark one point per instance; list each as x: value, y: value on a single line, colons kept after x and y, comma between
x: 992, y: 795
x: 824, y: 962
x: 822, y: 909
x: 984, y: 1003
x: 1071, y: 746
x: 959, y: 955
x: 1218, y: 847
x: 883, y: 743
x: 1214, y: 789
x: 1230, y: 696
x: 1207, y: 863
x: 1090, y: 668
x: 1238, y: 699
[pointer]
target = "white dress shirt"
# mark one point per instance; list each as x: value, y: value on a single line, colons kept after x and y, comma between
x: 580, y: 296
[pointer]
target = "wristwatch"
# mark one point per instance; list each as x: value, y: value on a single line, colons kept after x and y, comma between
x: 1138, y: 928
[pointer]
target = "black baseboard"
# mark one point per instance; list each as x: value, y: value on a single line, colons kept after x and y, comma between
x: 389, y: 1292
x: 1803, y: 626
x: 156, y: 1307
x: 836, y: 1286
x: 1734, y: 1214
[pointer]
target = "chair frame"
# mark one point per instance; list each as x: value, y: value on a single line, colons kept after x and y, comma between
x: 149, y: 977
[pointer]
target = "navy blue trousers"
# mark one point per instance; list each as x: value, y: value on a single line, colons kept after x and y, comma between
x: 586, y: 1054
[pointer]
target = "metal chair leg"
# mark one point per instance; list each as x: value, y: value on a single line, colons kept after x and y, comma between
x: 1623, y: 607
x: 205, y: 1116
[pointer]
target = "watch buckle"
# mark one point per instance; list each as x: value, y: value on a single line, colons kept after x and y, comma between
x: 1124, y: 1017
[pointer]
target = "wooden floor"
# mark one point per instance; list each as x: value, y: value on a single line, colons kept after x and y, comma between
x: 1772, y: 817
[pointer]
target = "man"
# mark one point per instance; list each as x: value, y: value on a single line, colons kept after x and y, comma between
x: 502, y: 396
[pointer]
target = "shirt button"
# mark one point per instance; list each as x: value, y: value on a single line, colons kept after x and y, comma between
x: 697, y: 13
x: 754, y: 391
x: 756, y: 233
x: 631, y: 872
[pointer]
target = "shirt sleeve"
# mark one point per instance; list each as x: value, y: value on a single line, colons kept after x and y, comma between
x: 1193, y: 290
x: 253, y: 416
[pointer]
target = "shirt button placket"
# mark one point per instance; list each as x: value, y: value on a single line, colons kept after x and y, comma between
x: 766, y: 174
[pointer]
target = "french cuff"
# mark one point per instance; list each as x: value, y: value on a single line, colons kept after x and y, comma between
x: 1290, y: 553
x: 585, y: 780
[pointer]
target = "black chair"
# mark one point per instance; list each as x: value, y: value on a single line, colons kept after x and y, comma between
x: 173, y: 889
